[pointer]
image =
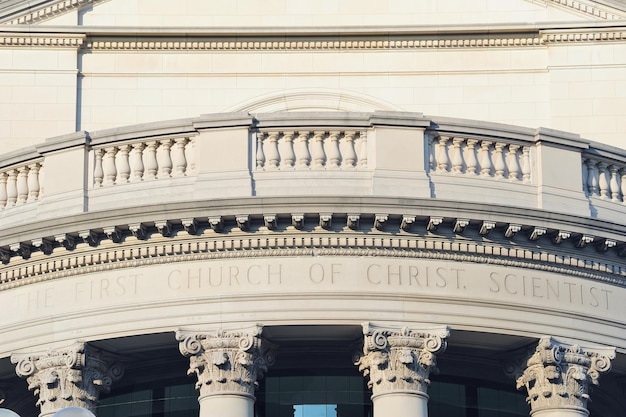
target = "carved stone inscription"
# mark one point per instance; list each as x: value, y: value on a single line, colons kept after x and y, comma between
x: 429, y: 278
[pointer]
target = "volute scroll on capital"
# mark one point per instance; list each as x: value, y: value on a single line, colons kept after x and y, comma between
x: 72, y: 376
x: 558, y: 376
x: 400, y: 359
x: 227, y: 361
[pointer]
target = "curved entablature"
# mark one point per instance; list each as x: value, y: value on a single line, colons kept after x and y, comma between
x: 100, y: 176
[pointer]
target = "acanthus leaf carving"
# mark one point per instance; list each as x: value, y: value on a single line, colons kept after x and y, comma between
x: 558, y: 376
x: 227, y: 361
x: 400, y: 359
x: 73, y: 376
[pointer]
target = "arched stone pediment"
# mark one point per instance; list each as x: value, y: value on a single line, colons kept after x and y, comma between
x: 313, y: 100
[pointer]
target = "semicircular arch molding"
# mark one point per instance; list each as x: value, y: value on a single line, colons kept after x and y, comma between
x: 313, y: 100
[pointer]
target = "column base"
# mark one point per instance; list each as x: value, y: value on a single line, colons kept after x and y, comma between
x: 400, y: 404
x: 227, y: 405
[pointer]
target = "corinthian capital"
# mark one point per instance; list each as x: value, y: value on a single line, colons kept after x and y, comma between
x: 72, y: 376
x: 557, y: 376
x: 226, y: 361
x: 400, y: 359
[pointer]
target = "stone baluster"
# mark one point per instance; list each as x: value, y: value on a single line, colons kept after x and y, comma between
x: 592, y: 179
x: 603, y: 180
x: 12, y: 188
x: 432, y: 152
x: 512, y: 162
x: 348, y: 154
x: 3, y: 189
x: 98, y: 171
x: 22, y: 185
x: 485, y: 158
x: 317, y: 150
x: 457, y: 155
x: 151, y: 163
x: 622, y: 173
x: 362, y: 149
x: 557, y: 377
x: 164, y: 158
x: 302, y: 150
x: 498, y: 160
x: 614, y: 183
x: 178, y: 157
x: 398, y: 363
x: 68, y: 377
x: 34, y: 185
x: 190, y: 155
x: 228, y: 365
x: 287, y: 155
x: 332, y: 150
x: 526, y: 164
x: 442, y: 154
x: 122, y: 164
x: 585, y: 174
x: 260, y: 155
x: 136, y: 162
x: 470, y: 158
x: 271, y: 151
x: 110, y: 172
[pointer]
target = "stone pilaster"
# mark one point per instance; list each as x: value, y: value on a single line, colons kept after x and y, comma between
x: 65, y: 377
x: 398, y: 363
x: 228, y: 364
x: 558, y: 376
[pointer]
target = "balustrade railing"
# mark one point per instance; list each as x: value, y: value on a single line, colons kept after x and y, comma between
x: 604, y: 178
x: 305, y: 149
x: 142, y: 161
x: 487, y: 158
x: 20, y: 184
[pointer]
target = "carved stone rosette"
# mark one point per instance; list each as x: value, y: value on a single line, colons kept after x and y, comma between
x: 72, y: 376
x: 400, y: 360
x: 557, y: 376
x: 227, y: 362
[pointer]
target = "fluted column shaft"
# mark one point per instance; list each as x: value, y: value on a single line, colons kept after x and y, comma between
x: 228, y: 365
x: 557, y: 378
x: 73, y: 376
x: 398, y: 363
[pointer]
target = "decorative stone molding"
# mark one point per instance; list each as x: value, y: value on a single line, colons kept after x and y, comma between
x: 43, y: 40
x: 400, y: 360
x: 372, y: 42
x: 48, y: 11
x: 557, y: 375
x: 213, y: 240
x: 67, y: 377
x: 594, y: 10
x: 226, y: 362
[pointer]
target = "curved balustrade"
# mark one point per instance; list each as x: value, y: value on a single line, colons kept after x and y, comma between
x: 20, y: 184
x: 319, y: 149
x: 146, y: 160
x: 604, y: 178
x: 480, y: 157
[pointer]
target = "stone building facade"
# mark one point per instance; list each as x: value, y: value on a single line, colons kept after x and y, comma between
x: 330, y: 208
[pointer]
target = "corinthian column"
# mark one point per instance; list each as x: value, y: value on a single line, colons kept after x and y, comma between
x: 72, y: 376
x: 557, y: 377
x: 398, y: 363
x: 228, y: 365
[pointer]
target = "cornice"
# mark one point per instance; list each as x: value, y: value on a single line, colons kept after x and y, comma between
x: 180, y: 239
x: 49, y: 40
x: 305, y: 39
x: 47, y: 10
x: 590, y: 9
